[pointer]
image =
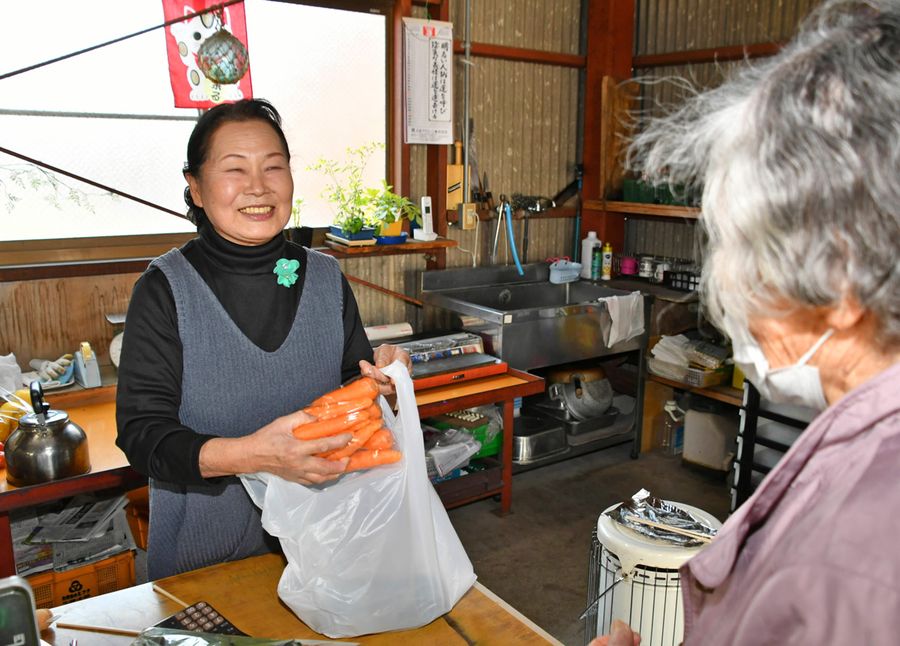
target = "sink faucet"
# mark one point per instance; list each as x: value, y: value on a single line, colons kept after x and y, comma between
x: 530, y: 204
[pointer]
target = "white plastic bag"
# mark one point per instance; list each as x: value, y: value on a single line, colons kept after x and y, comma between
x: 373, y: 551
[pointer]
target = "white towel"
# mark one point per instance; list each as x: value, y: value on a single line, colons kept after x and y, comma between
x: 626, y: 314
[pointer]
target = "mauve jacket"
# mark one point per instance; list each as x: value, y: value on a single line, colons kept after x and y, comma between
x: 813, y: 557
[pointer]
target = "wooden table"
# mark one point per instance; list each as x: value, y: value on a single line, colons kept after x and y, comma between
x: 245, y: 593
x: 109, y: 469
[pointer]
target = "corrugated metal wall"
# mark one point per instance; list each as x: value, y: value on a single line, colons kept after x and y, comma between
x: 523, y: 116
x: 663, y: 26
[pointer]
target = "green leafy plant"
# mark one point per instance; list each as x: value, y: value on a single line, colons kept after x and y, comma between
x: 295, y: 212
x: 390, y: 207
x: 356, y: 206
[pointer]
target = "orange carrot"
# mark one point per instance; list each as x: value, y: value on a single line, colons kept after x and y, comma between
x: 366, y: 459
x: 360, y: 437
x: 364, y: 387
x: 374, y: 411
x: 333, y: 426
x: 381, y: 439
x: 328, y: 411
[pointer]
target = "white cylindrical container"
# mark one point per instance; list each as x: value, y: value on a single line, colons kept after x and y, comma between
x: 640, y: 578
x: 587, y: 249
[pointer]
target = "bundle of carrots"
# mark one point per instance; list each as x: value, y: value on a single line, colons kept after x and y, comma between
x: 352, y: 409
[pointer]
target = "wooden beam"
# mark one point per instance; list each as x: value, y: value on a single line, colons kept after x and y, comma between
x: 384, y: 290
x: 13, y: 273
x: 610, y: 45
x: 503, y: 52
x: 715, y: 54
x: 436, y: 182
x: 398, y: 150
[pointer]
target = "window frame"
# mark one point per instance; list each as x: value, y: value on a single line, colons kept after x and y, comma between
x: 57, y: 256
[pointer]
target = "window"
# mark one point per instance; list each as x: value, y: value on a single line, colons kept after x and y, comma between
x: 108, y: 114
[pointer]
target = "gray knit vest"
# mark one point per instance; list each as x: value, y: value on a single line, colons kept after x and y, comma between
x: 231, y: 388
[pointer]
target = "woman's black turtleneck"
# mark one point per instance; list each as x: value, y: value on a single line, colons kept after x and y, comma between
x: 149, y: 386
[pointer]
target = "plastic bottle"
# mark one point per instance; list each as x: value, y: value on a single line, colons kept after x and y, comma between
x: 606, y: 266
x: 673, y: 428
x: 595, y: 263
x: 587, y: 253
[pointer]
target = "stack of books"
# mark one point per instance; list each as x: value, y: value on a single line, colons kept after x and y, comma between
x: 350, y: 243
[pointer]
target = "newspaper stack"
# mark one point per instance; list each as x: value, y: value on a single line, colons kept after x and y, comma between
x: 85, y: 530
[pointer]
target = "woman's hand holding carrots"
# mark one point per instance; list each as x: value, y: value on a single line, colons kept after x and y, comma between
x: 385, y: 355
x: 274, y: 449
x: 350, y: 409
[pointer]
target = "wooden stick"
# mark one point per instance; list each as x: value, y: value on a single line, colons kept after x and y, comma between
x: 669, y: 528
x: 170, y: 596
x: 99, y: 629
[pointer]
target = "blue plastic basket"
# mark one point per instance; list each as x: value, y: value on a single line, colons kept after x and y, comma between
x: 564, y: 271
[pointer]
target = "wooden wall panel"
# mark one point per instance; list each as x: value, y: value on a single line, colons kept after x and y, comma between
x: 396, y: 273
x: 46, y: 318
x: 548, y: 25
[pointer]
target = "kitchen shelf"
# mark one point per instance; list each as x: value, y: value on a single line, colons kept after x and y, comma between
x: 721, y: 393
x: 472, y: 486
x: 639, y: 208
x: 338, y: 250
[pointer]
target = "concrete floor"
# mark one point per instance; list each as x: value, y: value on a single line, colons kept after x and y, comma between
x: 536, y: 558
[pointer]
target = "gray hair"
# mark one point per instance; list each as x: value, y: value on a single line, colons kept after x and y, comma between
x: 799, y: 160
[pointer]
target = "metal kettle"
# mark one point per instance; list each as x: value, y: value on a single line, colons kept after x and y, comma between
x: 46, y: 446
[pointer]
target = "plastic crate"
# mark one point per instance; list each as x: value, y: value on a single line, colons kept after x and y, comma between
x: 58, y: 588
x: 685, y: 281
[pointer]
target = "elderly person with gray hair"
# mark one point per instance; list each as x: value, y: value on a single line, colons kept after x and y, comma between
x: 799, y: 159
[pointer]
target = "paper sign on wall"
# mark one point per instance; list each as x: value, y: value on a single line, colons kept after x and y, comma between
x: 428, y: 75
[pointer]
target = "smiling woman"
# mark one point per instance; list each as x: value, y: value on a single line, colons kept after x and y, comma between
x: 226, y: 339
x: 243, y: 183
x: 95, y: 116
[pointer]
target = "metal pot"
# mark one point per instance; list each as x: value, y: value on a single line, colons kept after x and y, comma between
x: 46, y: 446
x: 583, y: 399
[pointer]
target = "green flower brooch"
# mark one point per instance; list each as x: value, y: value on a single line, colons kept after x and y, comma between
x: 286, y: 270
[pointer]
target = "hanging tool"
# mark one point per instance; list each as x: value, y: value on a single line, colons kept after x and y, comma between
x: 488, y: 196
x: 504, y: 212
x: 455, y: 177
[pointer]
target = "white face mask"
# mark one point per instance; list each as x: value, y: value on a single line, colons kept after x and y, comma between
x: 797, y: 384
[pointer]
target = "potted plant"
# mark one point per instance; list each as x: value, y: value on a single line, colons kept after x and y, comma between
x: 390, y: 209
x: 346, y: 192
x: 362, y: 212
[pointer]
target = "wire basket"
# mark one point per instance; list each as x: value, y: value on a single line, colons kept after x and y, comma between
x: 564, y: 270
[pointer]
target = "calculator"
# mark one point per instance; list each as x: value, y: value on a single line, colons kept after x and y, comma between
x: 202, y: 618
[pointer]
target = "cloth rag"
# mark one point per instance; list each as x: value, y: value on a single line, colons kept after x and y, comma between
x: 626, y: 315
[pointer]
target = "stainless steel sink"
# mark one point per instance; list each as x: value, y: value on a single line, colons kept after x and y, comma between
x: 526, y: 320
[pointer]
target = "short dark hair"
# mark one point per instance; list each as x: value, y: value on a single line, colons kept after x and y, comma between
x: 212, y: 120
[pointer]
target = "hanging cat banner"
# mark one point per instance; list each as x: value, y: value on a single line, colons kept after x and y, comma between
x: 192, y: 87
